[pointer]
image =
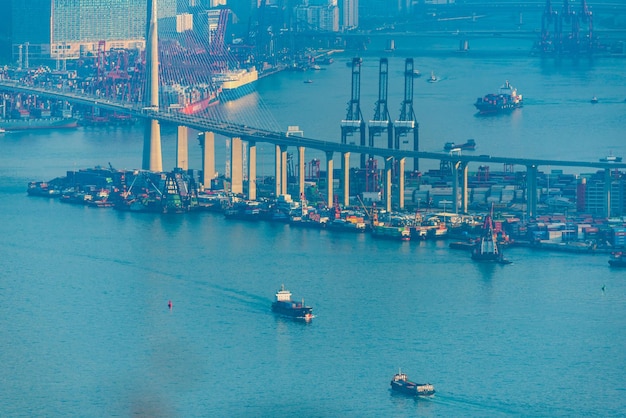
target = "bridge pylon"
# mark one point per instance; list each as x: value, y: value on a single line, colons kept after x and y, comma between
x: 152, y: 156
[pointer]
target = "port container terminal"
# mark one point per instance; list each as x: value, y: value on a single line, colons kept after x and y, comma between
x: 353, y: 125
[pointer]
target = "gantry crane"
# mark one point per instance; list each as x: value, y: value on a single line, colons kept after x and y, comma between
x: 407, y: 122
x: 382, y: 120
x: 354, y: 119
x: 553, y: 37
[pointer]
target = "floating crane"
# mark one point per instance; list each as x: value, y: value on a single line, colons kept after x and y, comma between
x: 354, y: 119
x: 407, y: 122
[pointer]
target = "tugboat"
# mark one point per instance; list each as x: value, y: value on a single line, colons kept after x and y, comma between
x: 618, y: 259
x: 401, y: 383
x: 486, y: 249
x: 505, y: 100
x: 286, y: 307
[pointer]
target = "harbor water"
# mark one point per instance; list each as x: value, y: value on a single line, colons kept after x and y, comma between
x: 85, y: 327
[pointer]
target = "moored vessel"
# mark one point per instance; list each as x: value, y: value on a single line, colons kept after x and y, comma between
x: 283, y: 305
x: 617, y: 259
x: 236, y: 83
x: 37, y: 123
x: 487, y: 249
x: 401, y: 383
x: 506, y: 99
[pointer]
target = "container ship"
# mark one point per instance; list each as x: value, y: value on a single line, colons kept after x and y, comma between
x: 236, y: 83
x: 505, y: 100
x: 283, y: 305
x: 191, y: 100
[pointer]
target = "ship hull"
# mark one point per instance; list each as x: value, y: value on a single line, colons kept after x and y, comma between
x: 34, y: 123
x: 237, y: 84
x: 201, y: 105
x: 291, y: 310
x: 487, y: 108
x: 413, y: 389
x: 391, y: 232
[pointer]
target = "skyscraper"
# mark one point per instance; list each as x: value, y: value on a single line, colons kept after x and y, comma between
x: 61, y: 29
x: 349, y: 10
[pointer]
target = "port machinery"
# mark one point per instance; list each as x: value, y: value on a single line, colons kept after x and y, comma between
x: 555, y: 39
x: 382, y: 120
x: 354, y: 119
x: 407, y: 122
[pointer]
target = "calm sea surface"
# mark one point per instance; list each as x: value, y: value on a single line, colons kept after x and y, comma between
x: 85, y: 329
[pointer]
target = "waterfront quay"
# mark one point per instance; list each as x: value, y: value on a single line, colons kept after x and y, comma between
x: 430, y: 213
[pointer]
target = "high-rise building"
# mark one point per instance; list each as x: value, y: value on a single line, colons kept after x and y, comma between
x: 349, y: 12
x: 53, y: 29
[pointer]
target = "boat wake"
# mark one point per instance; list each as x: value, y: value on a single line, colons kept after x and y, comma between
x: 473, y: 406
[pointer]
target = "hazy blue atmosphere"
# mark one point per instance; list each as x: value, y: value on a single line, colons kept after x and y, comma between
x: 86, y: 331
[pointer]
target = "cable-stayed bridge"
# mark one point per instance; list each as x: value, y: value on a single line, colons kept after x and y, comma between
x: 155, y: 86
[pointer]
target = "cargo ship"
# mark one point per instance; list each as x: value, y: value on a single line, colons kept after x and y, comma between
x: 385, y: 231
x: 283, y: 305
x: 24, y: 124
x: 401, y: 383
x: 191, y: 100
x: 389, y: 230
x: 505, y: 100
x: 236, y: 83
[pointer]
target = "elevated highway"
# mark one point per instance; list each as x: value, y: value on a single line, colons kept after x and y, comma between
x: 282, y: 140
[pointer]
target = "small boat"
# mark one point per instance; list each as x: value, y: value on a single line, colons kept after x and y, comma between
x: 417, y: 73
x: 594, y: 100
x: 617, y: 259
x: 283, y: 305
x: 309, y: 81
x: 401, y: 383
x: 433, y: 78
x: 469, y: 145
x: 611, y: 159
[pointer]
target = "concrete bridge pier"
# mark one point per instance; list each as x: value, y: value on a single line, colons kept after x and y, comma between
x: 388, y: 166
x: 251, y: 170
x: 283, y: 170
x: 345, y: 177
x: 607, y: 192
x: 207, y: 142
x: 301, y: 172
x: 236, y: 166
x: 464, y: 189
x: 182, y: 148
x: 531, y: 191
x: 277, y: 171
x: 329, y: 178
x: 459, y: 169
x: 152, y: 156
x: 401, y: 165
